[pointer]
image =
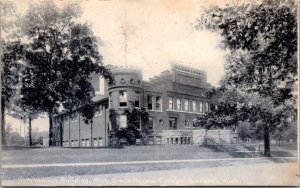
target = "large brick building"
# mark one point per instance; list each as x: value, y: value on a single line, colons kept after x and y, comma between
x: 174, y: 100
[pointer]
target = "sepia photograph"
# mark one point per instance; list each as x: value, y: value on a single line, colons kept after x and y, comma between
x: 149, y: 93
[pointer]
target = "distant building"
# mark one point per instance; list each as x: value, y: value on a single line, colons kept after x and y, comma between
x: 174, y: 100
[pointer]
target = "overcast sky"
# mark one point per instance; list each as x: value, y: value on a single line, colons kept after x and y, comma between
x: 158, y: 32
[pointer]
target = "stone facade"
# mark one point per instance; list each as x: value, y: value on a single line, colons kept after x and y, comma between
x: 173, y: 99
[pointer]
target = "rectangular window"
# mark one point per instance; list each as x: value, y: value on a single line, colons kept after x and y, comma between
x: 95, y: 142
x: 73, y: 143
x: 171, y: 106
x: 194, y: 106
x: 101, y: 85
x: 178, y: 104
x: 150, y: 127
x: 123, y: 121
x: 149, y: 102
x: 87, y: 142
x: 67, y: 143
x: 201, y: 107
x: 100, y: 141
x: 83, y: 142
x: 158, y: 103
x: 186, y: 105
x: 123, y: 98
x: 151, y: 140
x: 98, y: 113
x: 137, y: 100
x: 173, y: 123
x: 186, y: 123
x: 76, y: 143
x: 100, y: 89
x: 206, y: 107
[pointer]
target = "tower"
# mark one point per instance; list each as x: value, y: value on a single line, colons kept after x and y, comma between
x: 125, y: 93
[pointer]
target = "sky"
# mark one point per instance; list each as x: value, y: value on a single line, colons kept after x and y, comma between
x: 157, y: 32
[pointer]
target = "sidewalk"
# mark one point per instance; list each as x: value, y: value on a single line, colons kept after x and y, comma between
x: 260, y: 172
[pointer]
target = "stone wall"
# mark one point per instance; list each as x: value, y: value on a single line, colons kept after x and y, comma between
x: 196, y: 136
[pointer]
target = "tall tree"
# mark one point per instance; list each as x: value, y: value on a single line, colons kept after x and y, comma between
x: 10, y: 55
x: 61, y: 55
x: 262, y: 39
x: 20, y: 110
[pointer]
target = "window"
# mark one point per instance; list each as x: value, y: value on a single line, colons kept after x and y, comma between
x: 67, y: 143
x: 87, y: 142
x: 123, y: 98
x: 161, y: 122
x: 150, y: 127
x: 186, y: 105
x: 76, y: 143
x: 137, y: 99
x: 173, y: 123
x: 178, y: 104
x: 95, y: 142
x: 158, y: 103
x: 149, y: 102
x: 171, y: 107
x: 194, y: 106
x: 73, y: 143
x: 100, y: 141
x: 101, y: 86
x: 201, y: 107
x: 99, y: 112
x: 186, y: 123
x: 123, y: 121
x: 83, y: 142
x: 206, y: 107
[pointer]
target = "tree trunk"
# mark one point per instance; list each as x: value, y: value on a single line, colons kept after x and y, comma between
x: 29, y: 131
x: 267, y: 150
x: 61, y: 134
x: 3, y: 140
x: 50, y: 129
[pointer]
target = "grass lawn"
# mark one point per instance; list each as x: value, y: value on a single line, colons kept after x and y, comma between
x: 129, y: 153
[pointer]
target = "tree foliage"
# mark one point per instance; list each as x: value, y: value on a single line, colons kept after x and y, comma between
x: 61, y: 54
x: 262, y: 40
x: 135, y: 117
x: 11, y: 54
